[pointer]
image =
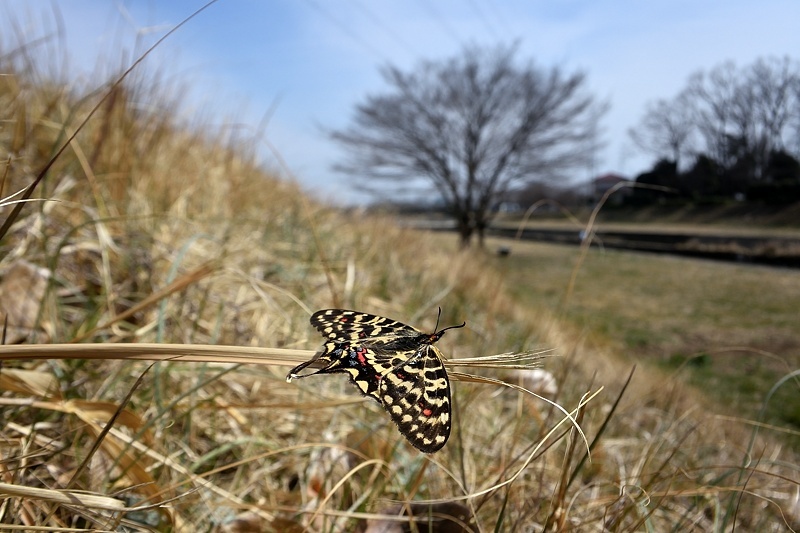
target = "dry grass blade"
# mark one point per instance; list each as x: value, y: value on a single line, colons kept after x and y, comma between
x: 511, y: 360
x: 43, y: 172
x: 569, y: 416
x: 29, y: 382
x: 586, y: 242
x: 178, y: 285
x: 603, y: 426
x: 192, y: 478
x: 157, y: 352
x: 113, y: 416
x: 65, y: 497
x: 196, y: 353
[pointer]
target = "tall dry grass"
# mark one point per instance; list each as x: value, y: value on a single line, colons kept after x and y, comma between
x: 146, y: 231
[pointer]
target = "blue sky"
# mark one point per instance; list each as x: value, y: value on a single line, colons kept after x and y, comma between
x: 318, y: 58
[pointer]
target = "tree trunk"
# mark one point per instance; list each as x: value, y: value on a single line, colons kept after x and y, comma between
x: 465, y: 232
x: 480, y: 228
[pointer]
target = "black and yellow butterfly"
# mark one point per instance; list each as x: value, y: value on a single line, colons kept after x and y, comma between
x: 393, y: 363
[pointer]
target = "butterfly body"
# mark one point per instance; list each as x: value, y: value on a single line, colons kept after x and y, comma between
x: 393, y: 363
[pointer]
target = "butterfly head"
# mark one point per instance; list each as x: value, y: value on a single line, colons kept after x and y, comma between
x: 437, y: 334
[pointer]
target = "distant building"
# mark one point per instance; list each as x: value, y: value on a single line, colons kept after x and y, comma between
x: 602, y: 184
x: 509, y: 207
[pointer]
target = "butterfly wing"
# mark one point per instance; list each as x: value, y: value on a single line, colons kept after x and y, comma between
x: 416, y: 394
x: 394, y: 364
x: 347, y: 332
x: 342, y: 325
x: 411, y: 386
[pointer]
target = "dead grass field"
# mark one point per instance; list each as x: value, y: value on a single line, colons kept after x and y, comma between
x: 149, y: 239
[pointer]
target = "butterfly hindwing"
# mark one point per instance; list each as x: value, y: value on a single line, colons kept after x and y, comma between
x: 394, y: 364
x: 416, y: 394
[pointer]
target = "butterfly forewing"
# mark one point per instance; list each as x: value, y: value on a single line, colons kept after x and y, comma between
x: 341, y: 325
x: 393, y: 363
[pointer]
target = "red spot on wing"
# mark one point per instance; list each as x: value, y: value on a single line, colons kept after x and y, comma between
x: 427, y: 411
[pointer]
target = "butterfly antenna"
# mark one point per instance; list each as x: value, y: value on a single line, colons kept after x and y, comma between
x: 437, y: 330
x: 455, y: 327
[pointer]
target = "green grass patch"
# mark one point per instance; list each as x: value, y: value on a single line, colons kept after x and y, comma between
x: 732, y: 329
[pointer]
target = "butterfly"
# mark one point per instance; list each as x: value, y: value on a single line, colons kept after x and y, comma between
x: 393, y: 363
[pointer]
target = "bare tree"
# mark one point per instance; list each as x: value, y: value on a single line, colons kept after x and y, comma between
x: 738, y: 118
x: 717, y: 104
x: 773, y: 88
x: 666, y: 129
x: 746, y: 113
x: 471, y: 127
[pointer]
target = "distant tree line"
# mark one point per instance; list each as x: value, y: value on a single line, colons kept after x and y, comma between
x: 731, y: 133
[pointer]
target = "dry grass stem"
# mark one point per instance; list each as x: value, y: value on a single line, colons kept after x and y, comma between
x: 187, y: 353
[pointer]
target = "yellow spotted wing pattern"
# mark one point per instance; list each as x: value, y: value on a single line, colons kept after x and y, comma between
x: 393, y: 363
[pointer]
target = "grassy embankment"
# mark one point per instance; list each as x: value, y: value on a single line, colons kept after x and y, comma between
x: 729, y: 329
x: 155, y: 231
